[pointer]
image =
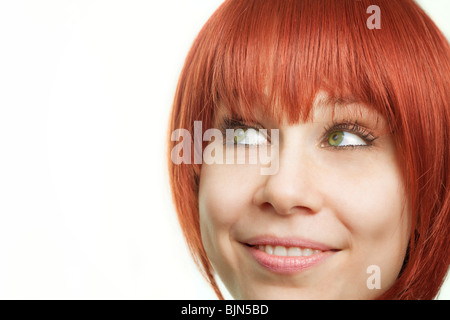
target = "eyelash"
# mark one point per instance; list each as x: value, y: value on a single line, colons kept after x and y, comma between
x: 233, y: 123
x: 236, y: 123
x: 347, y: 126
x: 351, y: 127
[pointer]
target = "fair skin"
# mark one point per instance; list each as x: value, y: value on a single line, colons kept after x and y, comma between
x: 347, y: 200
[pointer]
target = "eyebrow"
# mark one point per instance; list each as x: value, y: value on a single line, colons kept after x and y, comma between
x: 227, y: 118
x: 235, y: 121
x: 349, y: 108
x: 332, y: 100
x: 344, y: 108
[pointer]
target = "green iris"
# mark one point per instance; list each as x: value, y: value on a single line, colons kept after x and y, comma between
x: 335, y: 138
x: 239, y: 135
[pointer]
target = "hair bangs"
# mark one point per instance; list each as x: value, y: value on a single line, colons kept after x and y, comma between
x: 276, y: 56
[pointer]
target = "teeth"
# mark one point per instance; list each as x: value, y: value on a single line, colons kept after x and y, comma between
x: 280, y: 251
x: 294, y: 252
x: 288, y: 252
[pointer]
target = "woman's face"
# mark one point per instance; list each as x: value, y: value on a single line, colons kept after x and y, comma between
x: 331, y: 223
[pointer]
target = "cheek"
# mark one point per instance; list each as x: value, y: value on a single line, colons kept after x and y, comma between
x: 366, y: 191
x: 222, y: 194
x: 225, y: 194
x: 383, y: 203
x: 371, y: 205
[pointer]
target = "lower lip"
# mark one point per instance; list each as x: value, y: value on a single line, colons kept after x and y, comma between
x: 287, y: 265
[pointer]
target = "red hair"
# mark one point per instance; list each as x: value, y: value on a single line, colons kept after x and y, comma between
x: 279, y: 54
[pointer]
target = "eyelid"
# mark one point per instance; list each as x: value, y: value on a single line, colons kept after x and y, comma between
x: 351, y: 127
x: 238, y: 123
x: 235, y: 123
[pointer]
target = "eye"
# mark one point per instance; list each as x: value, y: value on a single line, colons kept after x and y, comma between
x: 347, y: 135
x: 344, y: 138
x: 249, y: 136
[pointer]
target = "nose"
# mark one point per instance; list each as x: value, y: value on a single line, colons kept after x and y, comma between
x: 295, y: 188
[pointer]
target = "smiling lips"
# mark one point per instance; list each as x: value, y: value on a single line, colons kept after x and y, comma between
x: 288, y: 251
x: 287, y: 255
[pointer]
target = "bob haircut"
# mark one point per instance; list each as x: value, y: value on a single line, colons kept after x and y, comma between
x: 278, y: 54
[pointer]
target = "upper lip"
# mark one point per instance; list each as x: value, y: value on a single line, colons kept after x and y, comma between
x: 288, y: 242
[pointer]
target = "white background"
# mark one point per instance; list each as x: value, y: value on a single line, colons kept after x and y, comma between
x: 85, y: 93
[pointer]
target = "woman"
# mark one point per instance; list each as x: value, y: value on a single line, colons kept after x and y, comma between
x: 356, y: 102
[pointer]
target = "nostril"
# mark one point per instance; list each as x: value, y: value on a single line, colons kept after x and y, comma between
x: 298, y: 209
x: 266, y: 206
